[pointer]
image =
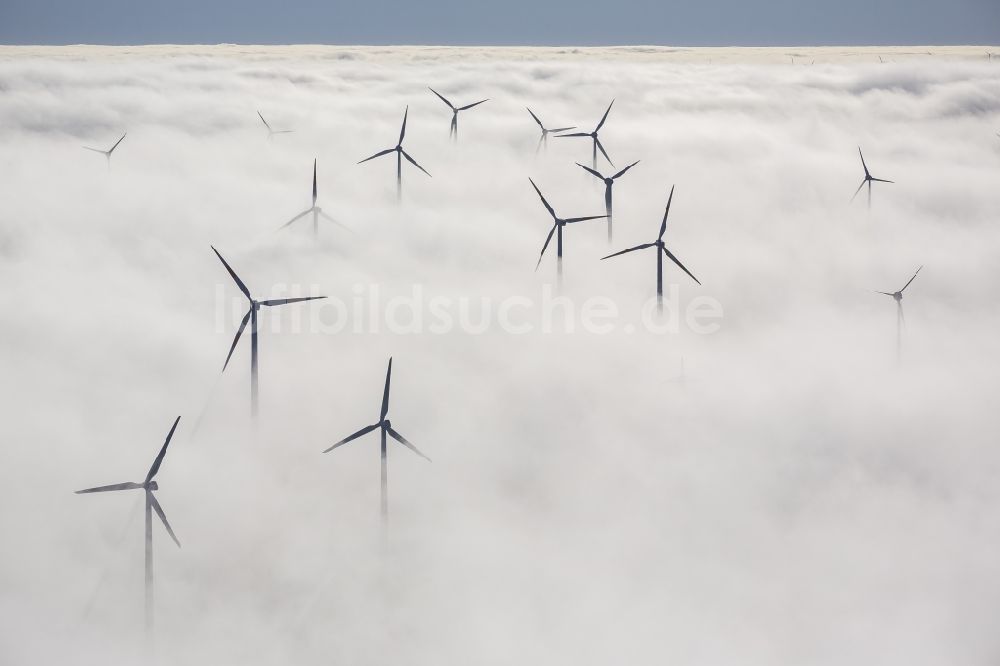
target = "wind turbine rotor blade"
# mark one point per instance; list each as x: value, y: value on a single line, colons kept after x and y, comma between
x: 339, y: 224
x: 378, y: 154
x: 351, y: 438
x: 545, y: 203
x: 111, y: 150
x: 163, y: 451
x: 663, y: 225
x: 236, y: 278
x: 414, y: 162
x: 604, y: 118
x: 548, y: 239
x: 881, y: 180
x: 286, y: 301
x: 536, y: 118
x: 385, y: 391
x: 885, y: 292
x: 264, y: 121
x: 910, y: 280
x: 469, y: 106
x: 402, y: 440
x: 297, y: 217
x: 631, y: 249
x: 563, y: 136
x: 865, y: 166
x: 682, y: 267
x: 859, y: 189
x: 600, y: 147
x: 402, y: 130
x: 239, y: 332
x: 622, y: 172
x: 314, y: 181
x: 564, y: 129
x: 116, y: 486
x: 584, y: 219
x: 96, y: 150
x: 596, y: 174
x: 163, y: 518
x: 442, y: 98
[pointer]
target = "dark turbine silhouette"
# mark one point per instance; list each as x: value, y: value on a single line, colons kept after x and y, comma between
x: 595, y: 139
x: 608, y: 182
x: 544, y: 138
x: 453, y: 131
x: 107, y: 153
x: 867, y: 181
x: 898, y: 297
x: 148, y: 486
x: 251, y: 316
x: 557, y: 228
x: 661, y: 249
x: 316, y: 211
x: 400, y: 154
x: 272, y: 132
x: 385, y: 427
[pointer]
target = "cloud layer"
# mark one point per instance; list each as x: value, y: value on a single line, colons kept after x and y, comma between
x: 799, y: 498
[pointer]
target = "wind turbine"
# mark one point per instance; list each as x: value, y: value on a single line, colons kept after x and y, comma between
x: 251, y: 316
x: 544, y: 138
x: 385, y: 427
x: 557, y: 228
x: 272, y: 132
x: 107, y: 153
x: 148, y: 486
x: 400, y: 154
x: 594, y: 137
x: 898, y: 297
x: 868, y: 179
x: 661, y: 249
x: 316, y: 211
x: 608, y: 182
x: 453, y: 132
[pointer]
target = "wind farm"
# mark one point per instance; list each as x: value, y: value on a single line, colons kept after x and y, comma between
x: 627, y: 465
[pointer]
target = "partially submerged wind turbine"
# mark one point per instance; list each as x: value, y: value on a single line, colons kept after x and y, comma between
x: 107, y: 153
x: 868, y: 180
x: 385, y: 428
x: 557, y: 228
x: 316, y: 211
x: 661, y: 249
x: 898, y: 297
x: 148, y: 485
x: 272, y: 132
x: 400, y: 154
x: 544, y: 138
x: 596, y: 140
x: 608, y: 182
x: 453, y: 131
x: 251, y: 316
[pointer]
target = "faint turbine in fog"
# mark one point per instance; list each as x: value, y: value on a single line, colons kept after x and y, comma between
x: 608, y: 182
x: 868, y: 180
x: 661, y: 249
x: 107, y: 153
x: 148, y: 486
x: 453, y: 131
x: 400, y: 154
x: 272, y: 132
x: 595, y: 139
x: 316, y: 211
x: 544, y: 138
x: 385, y: 428
x: 251, y: 316
x: 557, y: 228
x: 898, y: 297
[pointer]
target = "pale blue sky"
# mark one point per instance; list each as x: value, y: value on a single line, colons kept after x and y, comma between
x: 528, y: 22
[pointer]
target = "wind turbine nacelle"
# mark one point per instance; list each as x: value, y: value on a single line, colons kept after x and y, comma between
x: 152, y: 485
x: 387, y: 424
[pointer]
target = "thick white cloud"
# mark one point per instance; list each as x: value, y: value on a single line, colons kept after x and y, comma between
x: 799, y: 499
